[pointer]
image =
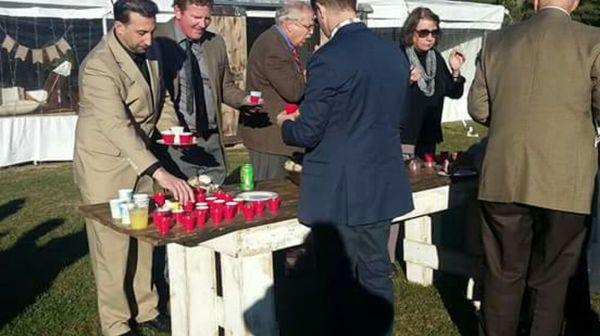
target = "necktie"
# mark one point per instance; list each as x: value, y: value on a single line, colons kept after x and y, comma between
x: 298, y: 61
x: 195, y: 99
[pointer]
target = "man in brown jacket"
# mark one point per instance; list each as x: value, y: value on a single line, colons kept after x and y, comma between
x: 121, y: 103
x: 537, y: 88
x: 275, y: 69
x: 198, y: 79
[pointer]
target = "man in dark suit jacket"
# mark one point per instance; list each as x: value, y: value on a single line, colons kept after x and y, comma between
x: 353, y: 179
x: 275, y: 69
x: 198, y: 79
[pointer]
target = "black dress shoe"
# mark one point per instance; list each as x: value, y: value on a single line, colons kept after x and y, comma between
x: 160, y: 323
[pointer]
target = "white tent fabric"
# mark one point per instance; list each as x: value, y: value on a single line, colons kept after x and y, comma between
x: 66, y: 9
x: 37, y: 138
x: 454, y: 14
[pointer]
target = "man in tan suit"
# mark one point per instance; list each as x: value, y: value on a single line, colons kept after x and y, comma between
x: 198, y: 79
x: 121, y: 102
x: 275, y: 69
x: 537, y: 88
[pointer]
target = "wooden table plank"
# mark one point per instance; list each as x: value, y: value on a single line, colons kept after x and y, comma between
x: 288, y: 193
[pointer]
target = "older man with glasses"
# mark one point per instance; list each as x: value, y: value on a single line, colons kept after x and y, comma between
x: 275, y: 69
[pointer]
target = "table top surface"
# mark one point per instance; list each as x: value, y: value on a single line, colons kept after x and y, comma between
x: 288, y: 194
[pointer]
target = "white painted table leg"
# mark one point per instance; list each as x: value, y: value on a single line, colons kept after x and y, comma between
x: 419, y: 230
x: 178, y: 289
x: 248, y: 295
x: 202, y: 290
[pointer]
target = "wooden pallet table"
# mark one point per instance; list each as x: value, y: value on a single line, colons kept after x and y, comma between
x: 217, y: 274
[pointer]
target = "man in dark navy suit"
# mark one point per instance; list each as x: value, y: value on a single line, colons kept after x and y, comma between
x: 353, y: 177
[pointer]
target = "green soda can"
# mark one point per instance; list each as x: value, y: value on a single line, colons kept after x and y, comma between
x: 247, y: 177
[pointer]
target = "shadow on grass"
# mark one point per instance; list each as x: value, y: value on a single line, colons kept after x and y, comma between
x: 318, y: 292
x: 28, y: 270
x: 11, y: 207
x: 452, y: 290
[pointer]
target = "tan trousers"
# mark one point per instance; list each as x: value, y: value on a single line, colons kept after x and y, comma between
x: 108, y: 251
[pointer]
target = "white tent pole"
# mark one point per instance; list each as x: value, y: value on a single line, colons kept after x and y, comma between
x: 104, y: 24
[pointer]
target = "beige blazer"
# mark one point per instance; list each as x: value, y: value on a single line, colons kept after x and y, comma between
x: 225, y: 90
x: 273, y: 71
x: 537, y: 88
x: 118, y: 113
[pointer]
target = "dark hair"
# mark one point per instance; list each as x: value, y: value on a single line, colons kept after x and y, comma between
x: 182, y: 4
x: 336, y: 4
x: 413, y: 20
x: 122, y: 8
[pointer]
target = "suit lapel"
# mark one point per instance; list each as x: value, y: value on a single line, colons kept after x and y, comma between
x: 130, y: 68
x: 212, y: 67
x: 167, y: 30
x: 152, y: 62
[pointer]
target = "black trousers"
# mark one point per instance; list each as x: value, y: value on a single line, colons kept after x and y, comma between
x: 353, y: 266
x: 530, y: 247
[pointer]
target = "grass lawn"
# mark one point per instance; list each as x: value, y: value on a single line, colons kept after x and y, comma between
x: 46, y: 284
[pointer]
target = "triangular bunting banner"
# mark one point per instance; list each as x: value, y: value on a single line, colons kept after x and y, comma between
x: 8, y: 43
x: 21, y: 52
x: 52, y: 53
x: 63, y: 45
x: 37, y: 56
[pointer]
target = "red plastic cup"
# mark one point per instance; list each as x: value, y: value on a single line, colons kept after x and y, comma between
x: 185, y: 138
x: 444, y: 156
x: 218, y: 204
x: 240, y: 202
x: 290, y: 108
x: 159, y: 198
x: 200, y: 215
x: 228, y: 197
x: 163, y: 225
x: 216, y: 215
x: 200, y: 198
x: 168, y: 137
x: 259, y: 207
x: 248, y: 211
x: 428, y: 157
x: 273, y: 204
x: 189, y: 206
x: 177, y: 214
x: 220, y: 194
x: 210, y: 200
x: 188, y: 222
x: 230, y: 210
x: 155, y: 216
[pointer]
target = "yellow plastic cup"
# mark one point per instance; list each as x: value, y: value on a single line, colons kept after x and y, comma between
x: 139, y: 218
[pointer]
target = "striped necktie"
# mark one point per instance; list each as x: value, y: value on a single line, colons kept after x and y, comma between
x: 298, y: 61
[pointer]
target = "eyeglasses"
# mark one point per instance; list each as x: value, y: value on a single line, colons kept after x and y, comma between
x: 307, y: 27
x: 423, y: 33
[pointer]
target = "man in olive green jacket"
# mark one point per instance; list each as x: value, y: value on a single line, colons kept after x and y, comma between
x: 121, y: 103
x: 537, y: 89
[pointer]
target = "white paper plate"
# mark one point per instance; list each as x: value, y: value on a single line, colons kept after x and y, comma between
x: 250, y: 196
x: 459, y: 173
